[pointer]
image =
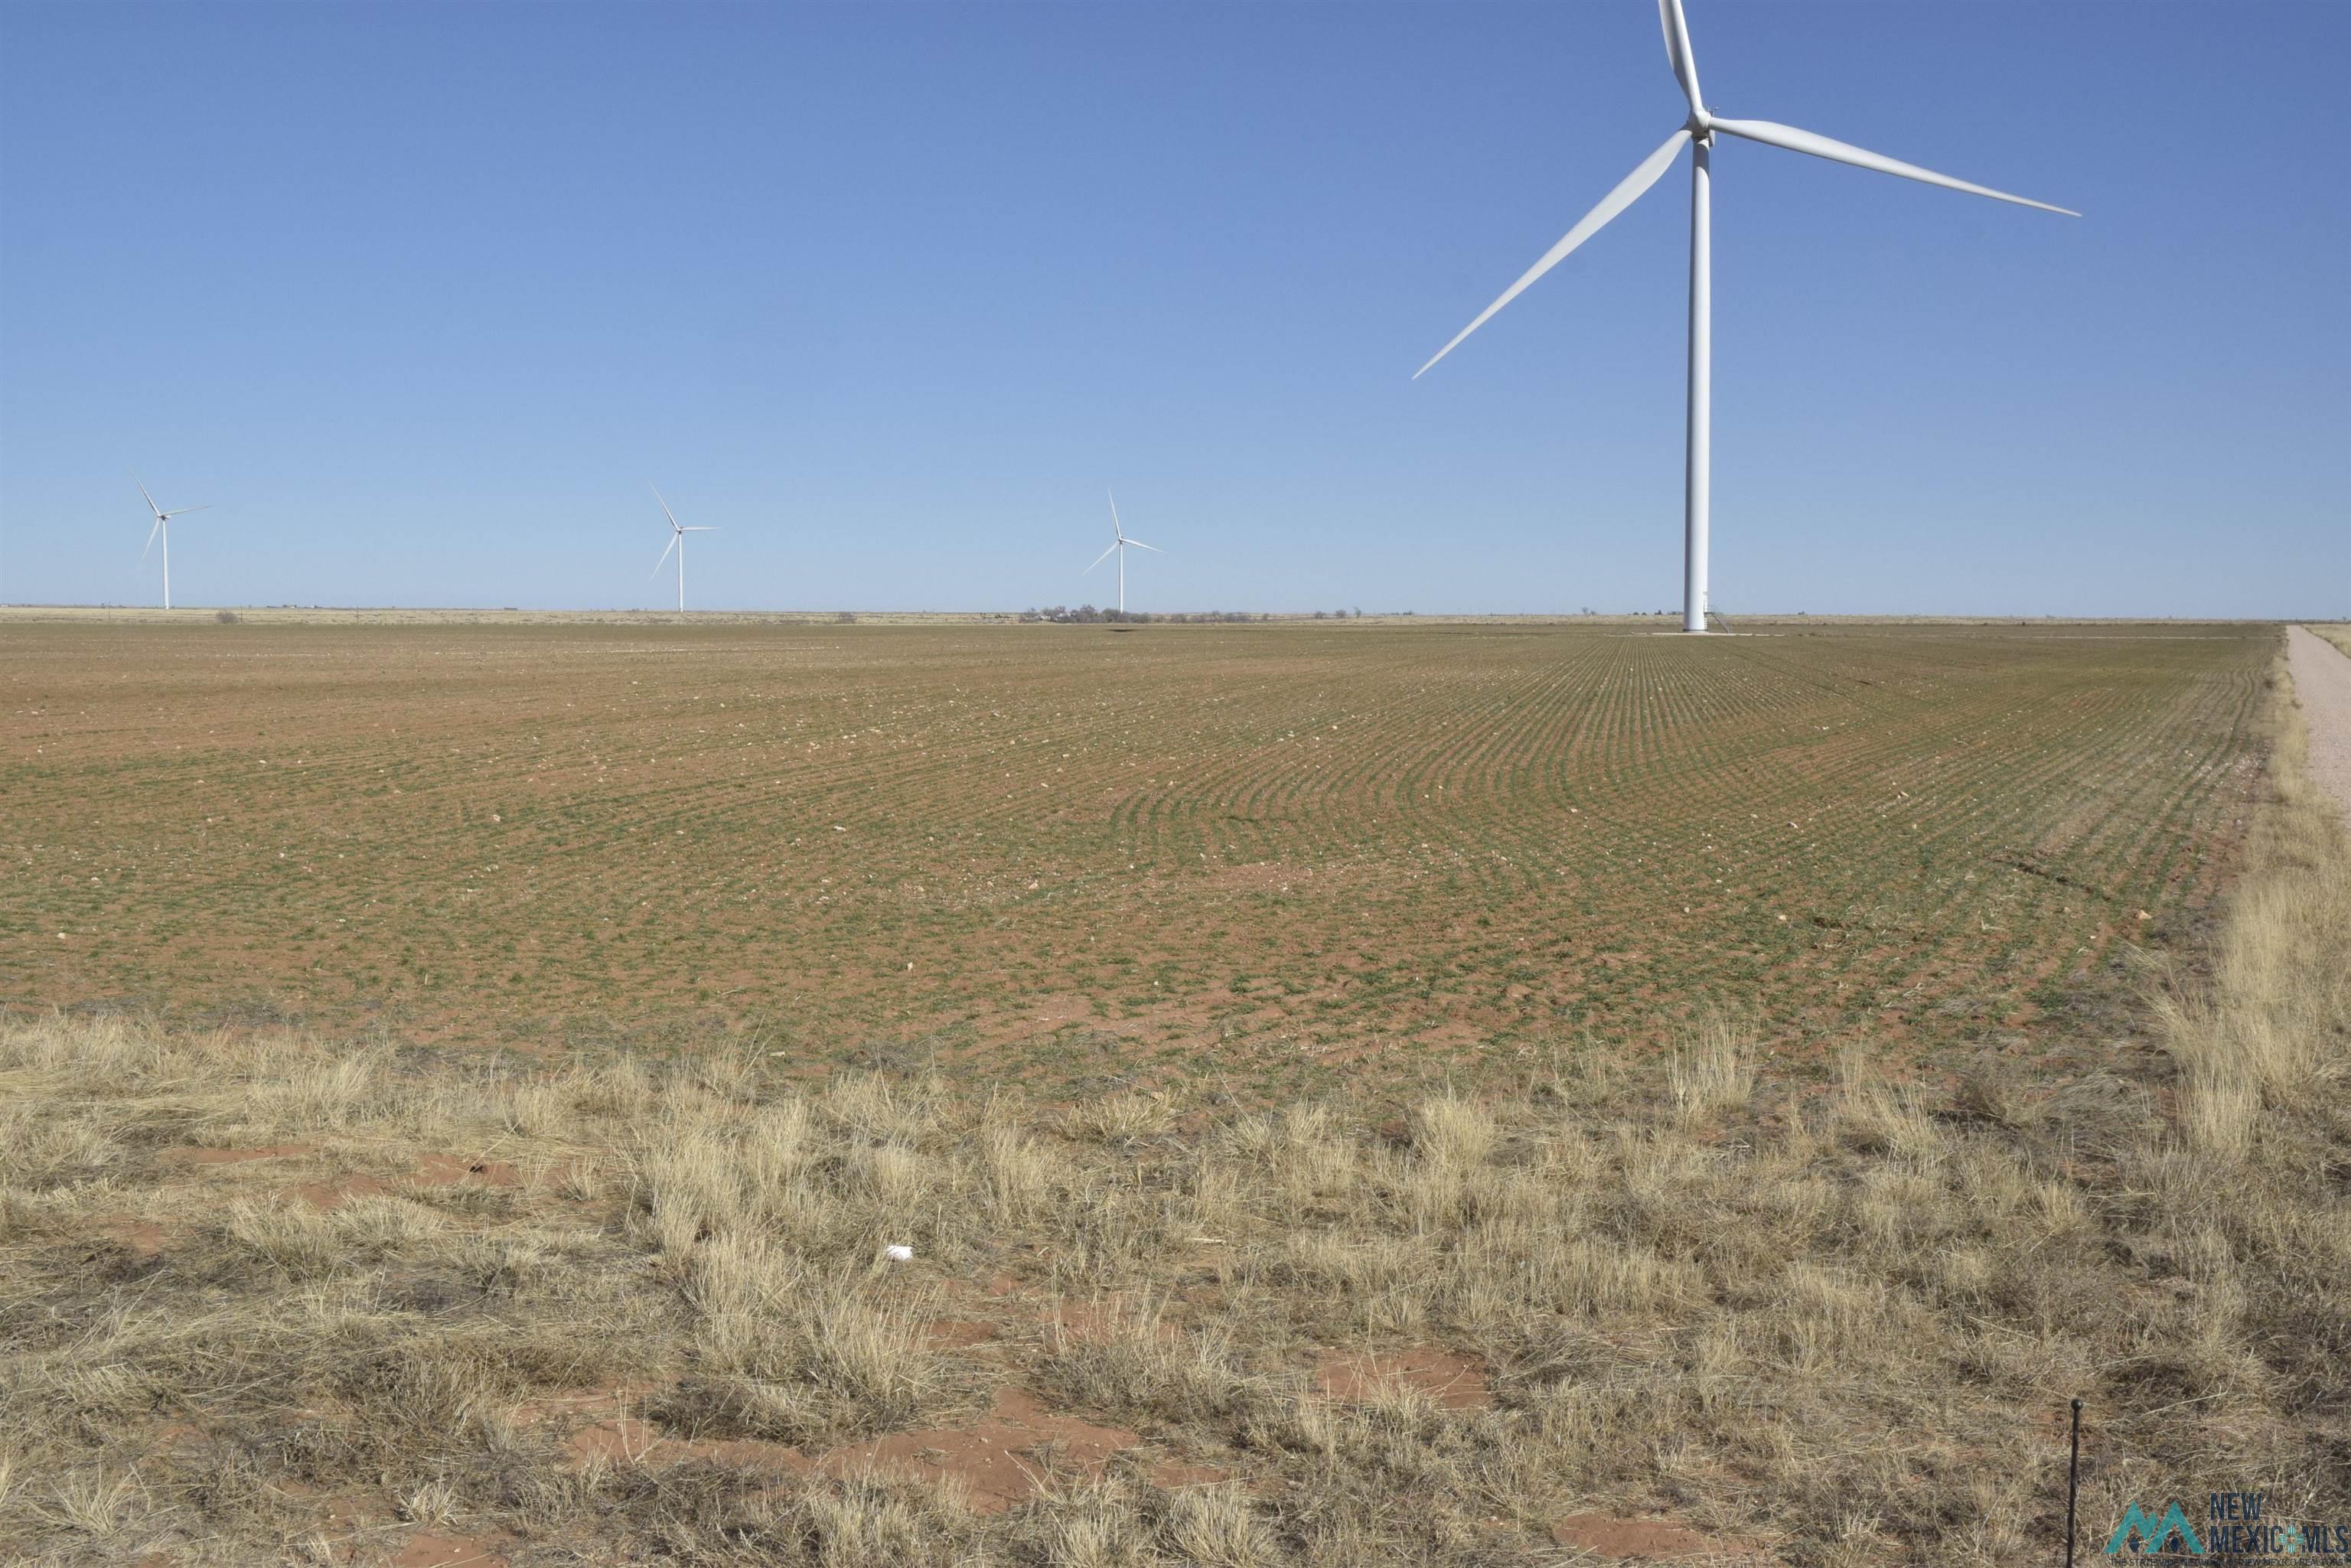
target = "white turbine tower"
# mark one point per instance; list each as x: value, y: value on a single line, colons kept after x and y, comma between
x: 1120, y: 545
x: 1698, y: 131
x: 676, y: 542
x: 162, y: 528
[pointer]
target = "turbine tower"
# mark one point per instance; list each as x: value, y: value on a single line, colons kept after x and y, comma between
x: 163, y: 529
x: 1120, y: 544
x: 676, y: 542
x: 1698, y: 131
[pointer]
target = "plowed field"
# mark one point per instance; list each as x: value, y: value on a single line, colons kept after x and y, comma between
x: 1087, y: 852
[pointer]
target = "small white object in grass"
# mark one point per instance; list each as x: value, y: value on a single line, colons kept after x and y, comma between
x: 898, y: 1254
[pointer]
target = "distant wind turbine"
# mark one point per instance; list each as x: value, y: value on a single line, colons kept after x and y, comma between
x: 676, y: 542
x: 163, y: 529
x: 1120, y: 545
x: 1699, y: 131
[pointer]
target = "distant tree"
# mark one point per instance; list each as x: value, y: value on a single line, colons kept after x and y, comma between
x: 227, y: 617
x: 845, y: 618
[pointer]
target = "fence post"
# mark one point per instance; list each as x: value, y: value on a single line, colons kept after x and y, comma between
x: 2073, y: 1482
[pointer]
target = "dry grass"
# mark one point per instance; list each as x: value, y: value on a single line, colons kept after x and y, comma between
x: 1830, y: 1317
x: 2263, y: 1041
x: 2339, y: 635
x: 1713, y: 1069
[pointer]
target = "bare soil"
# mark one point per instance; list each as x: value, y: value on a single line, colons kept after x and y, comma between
x: 2322, y: 684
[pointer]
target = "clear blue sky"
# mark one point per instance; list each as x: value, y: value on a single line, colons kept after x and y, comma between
x: 420, y: 297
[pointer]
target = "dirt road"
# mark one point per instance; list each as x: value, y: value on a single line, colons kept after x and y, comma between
x: 2322, y: 681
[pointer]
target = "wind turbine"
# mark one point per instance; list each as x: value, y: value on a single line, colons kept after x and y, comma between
x: 1120, y: 544
x: 163, y: 529
x: 1699, y: 132
x: 676, y: 542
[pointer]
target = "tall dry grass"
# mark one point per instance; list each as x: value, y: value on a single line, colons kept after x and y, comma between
x: 2260, y: 1043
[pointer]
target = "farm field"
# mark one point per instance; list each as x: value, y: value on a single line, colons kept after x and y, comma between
x: 1334, y: 1114
x: 1276, y: 854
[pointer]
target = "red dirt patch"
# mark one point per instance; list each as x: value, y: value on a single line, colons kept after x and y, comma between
x: 1653, y: 1540
x: 335, y: 1194
x: 139, y: 1236
x: 952, y: 1333
x: 432, y: 1170
x: 581, y: 1402
x: 1171, y: 1474
x: 626, y: 1440
x: 1455, y: 1382
x: 998, y: 1461
x: 431, y: 1549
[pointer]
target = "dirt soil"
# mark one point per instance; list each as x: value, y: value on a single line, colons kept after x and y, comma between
x: 2321, y: 683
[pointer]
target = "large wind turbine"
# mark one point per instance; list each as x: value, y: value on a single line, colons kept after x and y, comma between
x: 676, y: 542
x: 1698, y: 131
x: 162, y: 528
x: 1120, y: 544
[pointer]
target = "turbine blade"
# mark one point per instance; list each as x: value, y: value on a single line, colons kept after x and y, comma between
x: 1116, y: 531
x: 183, y: 511
x: 1677, y: 51
x: 664, y: 556
x: 150, y: 500
x: 664, y: 505
x: 1102, y: 558
x: 1155, y: 549
x: 1796, y: 140
x: 1628, y: 191
x: 150, y: 537
x: 699, y: 528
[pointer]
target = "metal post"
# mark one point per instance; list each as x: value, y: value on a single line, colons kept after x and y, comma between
x: 2073, y: 1482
